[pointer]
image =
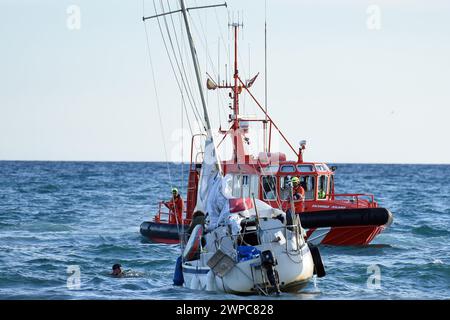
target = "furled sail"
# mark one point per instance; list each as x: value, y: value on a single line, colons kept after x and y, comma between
x: 212, y: 189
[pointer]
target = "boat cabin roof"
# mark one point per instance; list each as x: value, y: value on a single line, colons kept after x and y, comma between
x: 279, y: 169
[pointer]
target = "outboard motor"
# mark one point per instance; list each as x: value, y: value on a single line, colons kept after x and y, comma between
x: 268, y: 262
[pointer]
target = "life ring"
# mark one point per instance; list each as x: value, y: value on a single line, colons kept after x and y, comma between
x: 193, y: 245
x: 319, y: 269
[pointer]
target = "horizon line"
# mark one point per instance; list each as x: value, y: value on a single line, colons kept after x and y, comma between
x: 179, y: 162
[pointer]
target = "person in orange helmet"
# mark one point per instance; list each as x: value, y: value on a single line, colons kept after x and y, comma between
x: 176, y: 207
x: 297, y: 190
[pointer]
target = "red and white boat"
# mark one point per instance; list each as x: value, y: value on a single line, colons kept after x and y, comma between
x: 328, y: 217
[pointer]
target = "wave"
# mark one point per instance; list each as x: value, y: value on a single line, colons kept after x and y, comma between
x: 48, y: 188
x: 429, y: 231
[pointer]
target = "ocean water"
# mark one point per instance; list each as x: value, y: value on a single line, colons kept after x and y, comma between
x: 58, y: 216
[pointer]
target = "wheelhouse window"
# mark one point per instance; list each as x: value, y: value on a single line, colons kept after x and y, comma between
x: 272, y: 169
x: 285, y: 188
x: 269, y: 186
x: 331, y: 184
x: 323, y: 189
x: 245, y: 185
x: 309, y: 185
x: 305, y: 168
x: 237, y: 186
x: 322, y: 167
x: 287, y: 168
x: 254, y: 186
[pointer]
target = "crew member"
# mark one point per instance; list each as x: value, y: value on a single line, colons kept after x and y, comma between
x: 322, y: 194
x: 176, y: 207
x: 297, y: 190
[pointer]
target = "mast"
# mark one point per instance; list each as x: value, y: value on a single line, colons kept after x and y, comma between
x: 237, y: 137
x: 236, y: 89
x: 235, y: 76
x: 196, y: 66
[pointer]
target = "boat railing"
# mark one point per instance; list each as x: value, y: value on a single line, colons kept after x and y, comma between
x: 360, y: 199
x: 193, y: 162
x: 165, y: 215
x: 235, y: 239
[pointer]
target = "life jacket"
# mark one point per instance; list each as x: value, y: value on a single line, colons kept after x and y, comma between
x: 298, y: 191
x: 179, y: 205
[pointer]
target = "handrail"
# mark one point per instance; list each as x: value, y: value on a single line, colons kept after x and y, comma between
x: 371, y: 197
x: 192, y: 144
x: 201, y: 153
x: 164, y: 211
x: 234, y: 238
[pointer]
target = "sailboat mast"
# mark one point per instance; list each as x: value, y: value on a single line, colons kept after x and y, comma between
x: 196, y: 65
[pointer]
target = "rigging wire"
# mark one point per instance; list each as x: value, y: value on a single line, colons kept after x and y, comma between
x: 183, y: 68
x: 202, y: 42
x: 184, y: 82
x: 210, y: 61
x: 189, y: 76
x: 182, y: 144
x: 218, y: 82
x: 158, y: 105
x: 192, y: 103
x: 185, y: 53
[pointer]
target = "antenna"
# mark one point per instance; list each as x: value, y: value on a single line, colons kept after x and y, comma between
x: 265, y: 76
x: 218, y: 61
x: 226, y: 73
x: 242, y: 25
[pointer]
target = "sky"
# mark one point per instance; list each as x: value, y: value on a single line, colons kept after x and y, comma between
x: 361, y: 81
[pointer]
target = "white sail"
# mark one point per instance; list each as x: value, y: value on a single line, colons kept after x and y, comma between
x: 212, y: 191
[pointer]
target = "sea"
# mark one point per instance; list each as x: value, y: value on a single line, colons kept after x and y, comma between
x: 64, y: 224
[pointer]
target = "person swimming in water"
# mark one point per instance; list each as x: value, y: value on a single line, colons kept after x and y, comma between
x: 117, y: 271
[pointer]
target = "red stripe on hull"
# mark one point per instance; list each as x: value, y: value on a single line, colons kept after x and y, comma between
x: 352, y: 236
x: 164, y: 240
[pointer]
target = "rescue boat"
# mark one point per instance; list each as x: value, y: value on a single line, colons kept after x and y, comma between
x: 329, y: 217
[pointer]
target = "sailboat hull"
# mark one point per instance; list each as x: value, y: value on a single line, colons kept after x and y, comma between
x: 294, y: 269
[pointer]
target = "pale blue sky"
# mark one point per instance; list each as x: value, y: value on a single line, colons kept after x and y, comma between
x: 356, y: 95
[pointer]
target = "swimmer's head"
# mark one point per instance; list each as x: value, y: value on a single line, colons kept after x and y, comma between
x: 116, y: 271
